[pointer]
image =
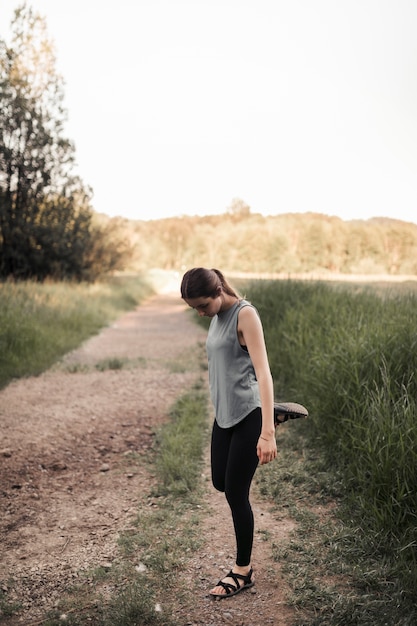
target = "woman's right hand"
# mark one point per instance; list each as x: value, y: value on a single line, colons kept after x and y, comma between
x: 266, y: 450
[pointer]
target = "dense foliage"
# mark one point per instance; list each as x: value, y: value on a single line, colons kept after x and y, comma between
x: 47, y: 225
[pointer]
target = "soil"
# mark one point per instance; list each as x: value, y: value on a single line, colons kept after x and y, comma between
x: 68, y: 490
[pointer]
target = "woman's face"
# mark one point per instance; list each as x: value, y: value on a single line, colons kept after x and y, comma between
x: 205, y: 307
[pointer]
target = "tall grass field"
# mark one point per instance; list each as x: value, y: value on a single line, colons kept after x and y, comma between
x: 350, y: 355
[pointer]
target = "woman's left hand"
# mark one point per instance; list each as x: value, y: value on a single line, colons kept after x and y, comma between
x: 266, y: 450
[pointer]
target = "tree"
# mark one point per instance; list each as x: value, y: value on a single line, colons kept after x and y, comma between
x: 239, y: 208
x: 45, y: 214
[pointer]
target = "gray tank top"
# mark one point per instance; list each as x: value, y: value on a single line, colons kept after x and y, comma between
x: 233, y: 386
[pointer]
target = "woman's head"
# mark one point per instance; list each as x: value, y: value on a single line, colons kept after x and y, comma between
x: 206, y: 291
x: 200, y: 282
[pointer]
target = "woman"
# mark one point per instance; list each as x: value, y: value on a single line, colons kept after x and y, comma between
x: 242, y: 393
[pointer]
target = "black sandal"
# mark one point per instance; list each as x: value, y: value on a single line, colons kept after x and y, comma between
x: 232, y: 590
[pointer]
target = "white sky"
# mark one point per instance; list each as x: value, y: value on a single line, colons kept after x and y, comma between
x: 178, y: 106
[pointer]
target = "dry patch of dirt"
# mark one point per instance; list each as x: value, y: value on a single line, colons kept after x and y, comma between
x: 68, y: 487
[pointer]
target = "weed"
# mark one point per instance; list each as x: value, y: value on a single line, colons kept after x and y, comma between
x: 113, y: 363
x: 7, y: 608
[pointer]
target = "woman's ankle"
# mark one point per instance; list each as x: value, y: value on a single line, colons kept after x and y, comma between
x: 242, y: 569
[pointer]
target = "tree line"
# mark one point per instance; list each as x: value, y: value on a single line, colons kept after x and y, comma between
x: 47, y: 225
x: 288, y: 244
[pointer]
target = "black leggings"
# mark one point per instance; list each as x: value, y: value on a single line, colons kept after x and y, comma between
x: 233, y: 465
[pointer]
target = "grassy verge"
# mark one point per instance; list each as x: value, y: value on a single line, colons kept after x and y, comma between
x: 337, y: 570
x: 41, y: 322
x: 163, y: 535
x: 350, y: 355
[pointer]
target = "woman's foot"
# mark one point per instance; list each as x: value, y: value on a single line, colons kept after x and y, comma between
x: 238, y: 579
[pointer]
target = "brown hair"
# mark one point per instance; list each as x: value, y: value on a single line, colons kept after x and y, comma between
x: 200, y: 282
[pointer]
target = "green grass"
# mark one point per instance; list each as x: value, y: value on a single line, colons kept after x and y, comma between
x: 181, y: 446
x: 7, y: 609
x: 350, y: 355
x: 337, y: 571
x: 41, y: 322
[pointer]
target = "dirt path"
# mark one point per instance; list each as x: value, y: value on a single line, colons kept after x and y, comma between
x: 67, y: 489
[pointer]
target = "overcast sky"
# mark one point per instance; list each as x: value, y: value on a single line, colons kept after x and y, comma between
x: 178, y: 106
